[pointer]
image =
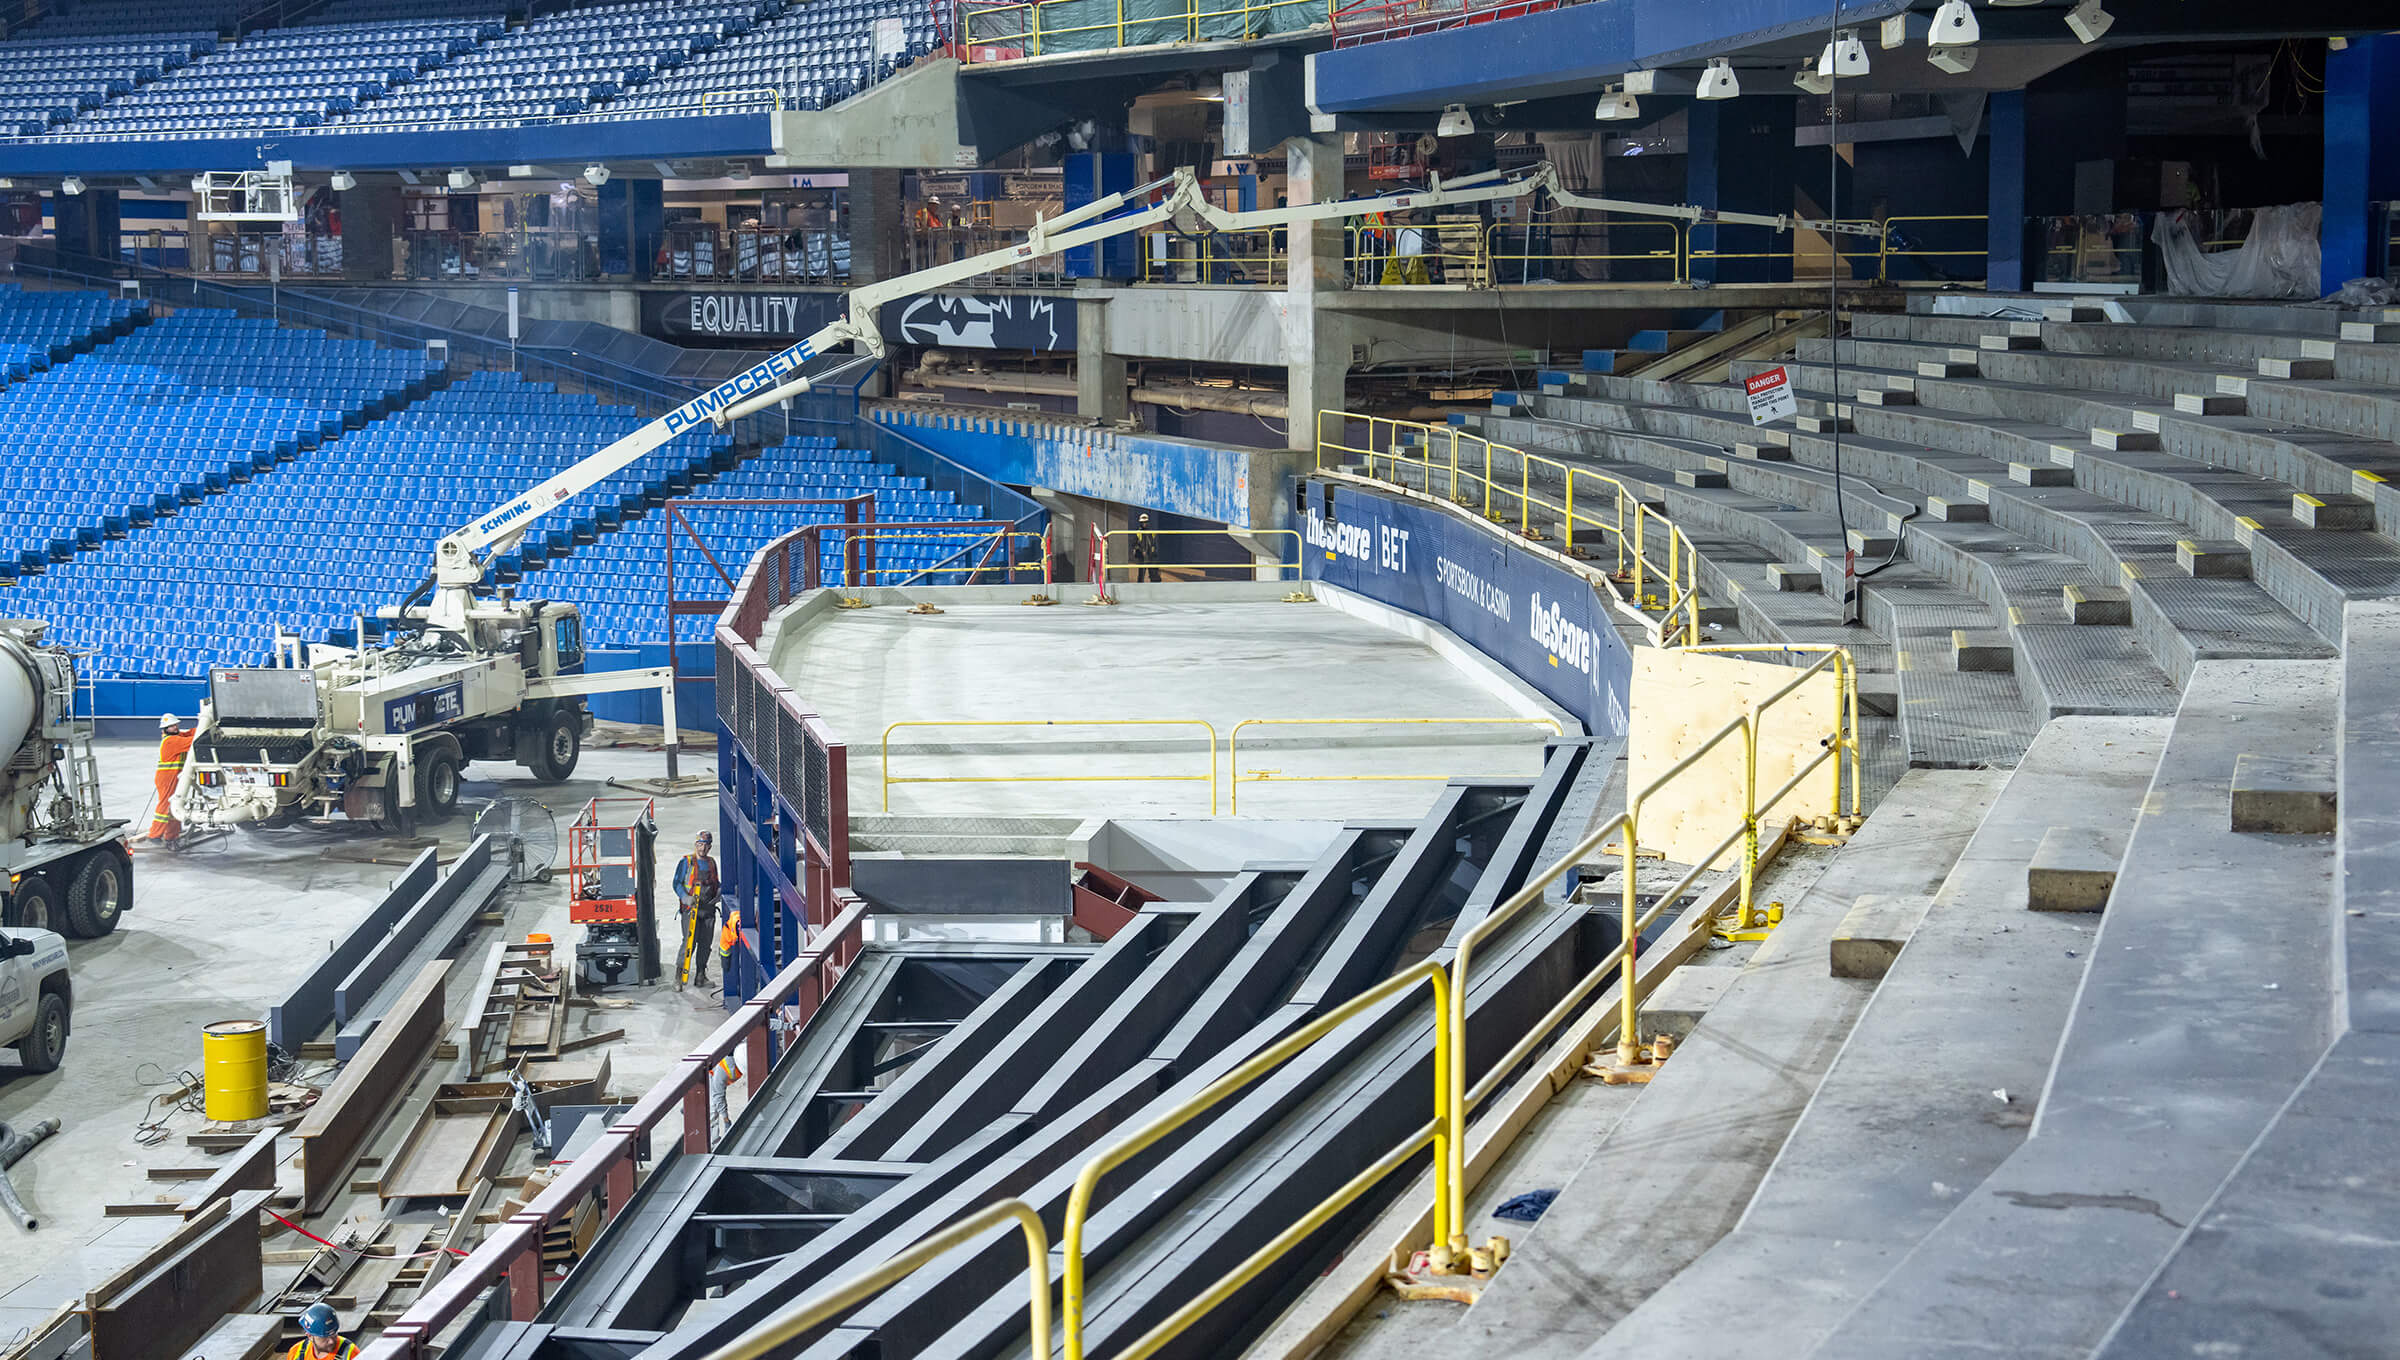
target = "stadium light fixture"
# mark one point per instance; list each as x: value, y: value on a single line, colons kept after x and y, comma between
x: 1809, y: 80
x: 1956, y: 61
x: 344, y: 181
x: 1719, y: 81
x: 1455, y: 122
x: 1616, y: 106
x: 2088, y: 22
x: 595, y: 174
x: 70, y: 186
x: 1954, y: 26
x: 1845, y: 56
x: 462, y: 179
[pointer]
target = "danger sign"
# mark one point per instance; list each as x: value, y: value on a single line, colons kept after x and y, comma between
x: 1770, y: 396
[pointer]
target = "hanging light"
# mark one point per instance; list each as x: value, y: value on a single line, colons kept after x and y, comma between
x: 1846, y: 56
x: 70, y: 186
x: 2088, y: 22
x: 1455, y: 122
x: 344, y: 181
x: 1955, y: 60
x: 1616, y: 106
x: 1719, y: 81
x: 1954, y: 26
x: 1808, y: 78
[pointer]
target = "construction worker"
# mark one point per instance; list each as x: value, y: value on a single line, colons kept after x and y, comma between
x: 1145, y: 549
x: 321, y: 1336
x: 174, y: 744
x: 728, y: 935
x: 696, y: 890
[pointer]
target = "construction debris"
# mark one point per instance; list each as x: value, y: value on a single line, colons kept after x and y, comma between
x: 13, y: 1146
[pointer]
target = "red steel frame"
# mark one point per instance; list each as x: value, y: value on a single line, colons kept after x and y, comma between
x: 512, y: 1253
x: 858, y: 510
x: 1376, y: 20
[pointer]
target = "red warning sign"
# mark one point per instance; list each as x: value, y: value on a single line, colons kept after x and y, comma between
x: 1770, y: 396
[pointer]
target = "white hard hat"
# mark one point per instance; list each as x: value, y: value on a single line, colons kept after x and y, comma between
x: 168, y: 722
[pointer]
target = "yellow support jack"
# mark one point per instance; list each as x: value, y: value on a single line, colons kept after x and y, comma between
x: 851, y: 602
x: 925, y: 607
x: 1647, y: 1059
x: 1037, y: 598
x: 1454, y: 1271
x: 1757, y: 925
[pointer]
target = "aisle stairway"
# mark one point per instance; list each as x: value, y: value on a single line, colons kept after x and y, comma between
x: 2076, y: 513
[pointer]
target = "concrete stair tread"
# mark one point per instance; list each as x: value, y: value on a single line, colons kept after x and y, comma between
x: 1973, y: 1005
x: 1959, y: 719
x: 1701, y: 1135
x: 2174, y: 1060
x: 2161, y: 379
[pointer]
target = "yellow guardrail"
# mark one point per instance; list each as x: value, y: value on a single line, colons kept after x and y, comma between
x: 1209, y: 778
x: 1445, y: 1133
x: 1468, y: 469
x: 1257, y: 257
x: 818, y: 1309
x: 1434, y: 1132
x: 966, y: 541
x: 1526, y: 257
x: 1024, y: 29
x: 1626, y: 828
x: 1233, y: 749
x: 1846, y: 677
x: 1883, y: 268
x: 1109, y: 563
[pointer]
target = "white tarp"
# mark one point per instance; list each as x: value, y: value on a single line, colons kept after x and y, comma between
x: 2278, y: 260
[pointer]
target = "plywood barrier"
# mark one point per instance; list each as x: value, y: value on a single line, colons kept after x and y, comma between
x: 1680, y: 700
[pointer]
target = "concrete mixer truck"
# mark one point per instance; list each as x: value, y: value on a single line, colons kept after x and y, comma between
x: 65, y: 861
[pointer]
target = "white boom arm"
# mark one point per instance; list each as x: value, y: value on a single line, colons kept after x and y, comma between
x: 461, y: 556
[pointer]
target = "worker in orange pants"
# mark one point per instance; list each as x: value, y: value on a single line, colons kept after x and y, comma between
x: 174, y: 744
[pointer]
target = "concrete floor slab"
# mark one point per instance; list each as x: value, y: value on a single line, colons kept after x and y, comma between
x: 1972, y: 1007
x: 1674, y: 1175
x: 221, y: 932
x: 1215, y: 661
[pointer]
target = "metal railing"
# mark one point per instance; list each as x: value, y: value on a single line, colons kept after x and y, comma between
x: 1251, y: 257
x: 1381, y: 19
x: 750, y: 99
x: 1437, y: 1133
x: 817, y: 1309
x: 546, y: 254
x: 1233, y: 751
x: 809, y: 255
x: 1471, y: 471
x: 1109, y: 563
x: 1034, y: 28
x: 1899, y: 242
x: 1209, y: 778
x: 1529, y: 252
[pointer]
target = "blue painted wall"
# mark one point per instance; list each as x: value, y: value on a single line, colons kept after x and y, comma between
x: 1571, y: 49
x: 1542, y: 622
x: 1198, y: 480
x: 2362, y: 155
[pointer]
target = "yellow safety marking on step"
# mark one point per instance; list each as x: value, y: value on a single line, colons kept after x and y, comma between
x: 2365, y: 476
x: 1901, y: 661
x: 2132, y: 572
x: 2248, y: 523
x: 2015, y: 615
x: 2187, y: 545
x: 2305, y: 499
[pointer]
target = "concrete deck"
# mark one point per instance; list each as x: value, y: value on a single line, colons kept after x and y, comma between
x: 218, y: 934
x: 1177, y: 653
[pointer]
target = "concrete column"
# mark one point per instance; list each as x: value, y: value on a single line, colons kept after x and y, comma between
x: 2009, y: 263
x: 371, y: 219
x: 1099, y: 374
x: 2362, y: 156
x: 878, y: 226
x: 1741, y: 161
x: 1316, y: 338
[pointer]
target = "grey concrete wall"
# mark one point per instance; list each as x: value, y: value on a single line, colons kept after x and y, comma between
x: 906, y: 123
x: 1222, y: 325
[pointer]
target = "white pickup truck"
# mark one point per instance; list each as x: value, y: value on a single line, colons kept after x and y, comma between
x: 36, y: 1001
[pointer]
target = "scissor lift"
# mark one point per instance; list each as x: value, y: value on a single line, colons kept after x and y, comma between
x: 612, y: 875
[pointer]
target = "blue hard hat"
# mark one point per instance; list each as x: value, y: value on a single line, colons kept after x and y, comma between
x: 321, y: 1322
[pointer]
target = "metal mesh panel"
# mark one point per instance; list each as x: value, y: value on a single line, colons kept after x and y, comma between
x: 791, y: 758
x: 813, y: 791
x: 729, y: 676
x: 754, y: 697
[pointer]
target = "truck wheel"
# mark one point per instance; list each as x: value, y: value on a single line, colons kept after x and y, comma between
x: 562, y: 746
x: 45, y: 1047
x: 397, y: 820
x: 437, y: 786
x: 34, y: 905
x: 102, y: 890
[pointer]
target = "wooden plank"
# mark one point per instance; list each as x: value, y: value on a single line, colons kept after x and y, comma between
x: 252, y: 1168
x: 239, y: 1336
x: 338, y: 1127
x: 165, y: 1302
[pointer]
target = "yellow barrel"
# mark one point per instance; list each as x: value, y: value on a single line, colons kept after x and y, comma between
x: 233, y: 1070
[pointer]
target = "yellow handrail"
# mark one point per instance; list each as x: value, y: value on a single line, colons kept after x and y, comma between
x: 1210, y: 778
x: 816, y: 1309
x: 1087, y: 1181
x: 1233, y: 755
x: 1846, y: 674
x: 1293, y: 566
x: 1450, y: 454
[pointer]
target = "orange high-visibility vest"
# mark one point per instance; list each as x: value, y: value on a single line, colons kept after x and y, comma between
x: 342, y: 1350
x: 172, y: 748
x: 727, y: 937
